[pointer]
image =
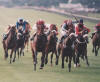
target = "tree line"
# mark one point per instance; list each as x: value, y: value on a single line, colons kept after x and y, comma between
x: 48, y: 3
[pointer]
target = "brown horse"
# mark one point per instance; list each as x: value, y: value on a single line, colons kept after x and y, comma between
x: 68, y: 50
x: 10, y: 42
x: 20, y: 43
x: 60, y: 44
x: 81, y: 49
x: 27, y: 34
x: 39, y: 45
x: 51, y: 46
x: 96, y: 43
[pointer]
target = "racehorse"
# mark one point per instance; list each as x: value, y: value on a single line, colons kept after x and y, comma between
x: 10, y: 42
x: 51, y: 46
x: 60, y: 45
x: 20, y: 43
x: 68, y: 50
x: 27, y: 34
x: 39, y: 45
x: 96, y: 43
x: 81, y: 48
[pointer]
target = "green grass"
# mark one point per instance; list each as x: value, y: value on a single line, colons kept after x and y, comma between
x: 22, y: 69
x: 96, y: 15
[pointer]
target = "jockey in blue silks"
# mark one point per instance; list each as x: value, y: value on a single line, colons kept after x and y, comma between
x: 21, y: 23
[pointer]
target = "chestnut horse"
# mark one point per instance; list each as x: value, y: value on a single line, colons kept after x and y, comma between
x: 51, y: 46
x: 10, y: 43
x: 27, y: 34
x: 39, y: 45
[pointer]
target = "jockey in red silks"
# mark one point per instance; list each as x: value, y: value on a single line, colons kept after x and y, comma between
x: 36, y: 27
x: 80, y: 27
x: 97, y: 29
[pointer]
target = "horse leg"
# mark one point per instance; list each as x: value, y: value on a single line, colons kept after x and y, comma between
x: 11, y: 56
x: 67, y: 59
x: 27, y: 45
x: 18, y: 53
x: 6, y: 54
x: 42, y: 60
x: 63, y: 61
x: 86, y: 58
x: 46, y: 58
x: 51, y: 58
x: 74, y: 59
x: 77, y: 60
x: 95, y: 51
x: 23, y: 51
x: 69, y: 65
x: 34, y: 55
x: 14, y: 56
x: 57, y: 57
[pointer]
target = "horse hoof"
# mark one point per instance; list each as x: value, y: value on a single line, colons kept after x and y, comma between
x: 75, y: 65
x: 78, y: 65
x: 88, y: 64
x: 13, y: 60
x: 41, y: 67
x: 62, y: 67
x: 56, y: 63
x: 69, y: 70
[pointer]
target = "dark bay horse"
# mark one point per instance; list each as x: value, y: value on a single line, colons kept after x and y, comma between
x: 96, y: 43
x: 51, y: 46
x: 68, y: 50
x: 81, y: 49
x: 39, y: 45
x: 60, y: 44
x: 10, y: 42
x: 20, y: 43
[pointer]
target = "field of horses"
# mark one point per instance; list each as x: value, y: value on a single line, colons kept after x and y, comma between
x: 22, y: 69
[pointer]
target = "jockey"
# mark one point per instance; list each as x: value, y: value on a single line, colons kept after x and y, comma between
x: 51, y: 28
x: 80, y: 28
x: 21, y: 23
x: 65, y: 29
x: 97, y: 29
x: 36, y: 27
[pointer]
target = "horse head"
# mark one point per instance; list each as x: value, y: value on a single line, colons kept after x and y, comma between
x: 40, y: 29
x: 72, y: 36
x: 13, y: 28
